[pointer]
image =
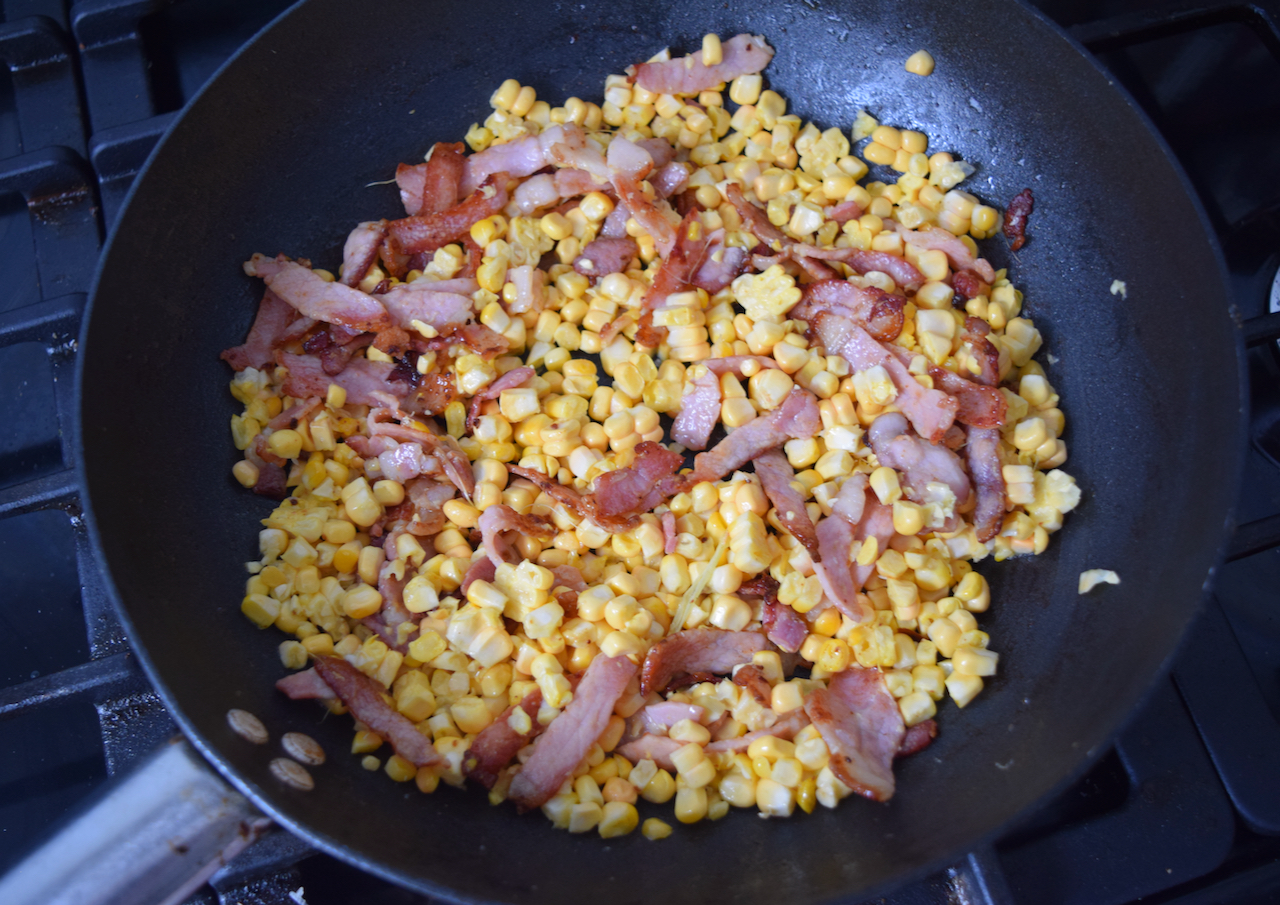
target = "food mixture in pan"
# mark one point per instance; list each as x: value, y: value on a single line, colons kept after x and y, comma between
x: 496, y: 548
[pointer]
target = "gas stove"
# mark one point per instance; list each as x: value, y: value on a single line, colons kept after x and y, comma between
x: 1185, y: 808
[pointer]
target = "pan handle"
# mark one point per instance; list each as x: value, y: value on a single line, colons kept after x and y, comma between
x: 152, y: 838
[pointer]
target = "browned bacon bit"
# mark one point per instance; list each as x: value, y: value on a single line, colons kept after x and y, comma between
x: 796, y: 417
x: 688, y: 680
x: 432, y: 187
x: 475, y: 255
x: 1015, y: 219
x: 496, y: 745
x: 516, y: 377
x: 271, y: 482
x: 306, y: 685
x: 782, y: 625
x: 876, y: 311
x: 361, y: 378
x: 674, y: 274
x: 428, y: 232
x: 902, y: 271
x: 968, y: 286
x: 364, y: 698
x: 498, y: 522
x: 265, y: 336
x: 777, y: 475
x: 763, y: 585
x: 918, y: 738
x: 976, y: 405
x: 478, y: 339
x: 975, y: 333
x: 751, y: 677
x: 482, y: 569
x: 315, y: 297
x: 697, y: 650
x: 435, y: 391
x: 640, y: 486
x: 699, y: 412
x: 862, y: 726
x: 571, y: 734
x: 983, y: 455
x: 602, y: 257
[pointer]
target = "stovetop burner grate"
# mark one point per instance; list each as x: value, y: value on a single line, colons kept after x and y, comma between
x: 1182, y: 810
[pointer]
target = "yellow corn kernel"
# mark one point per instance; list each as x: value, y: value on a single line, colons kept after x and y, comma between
x: 287, y: 444
x: 365, y: 742
x: 712, y: 53
x: 660, y: 789
x: 920, y: 63
x: 388, y: 493
x: 908, y: 518
x: 774, y: 799
x: 655, y: 829
x: 963, y: 688
x: 691, y: 805
x: 972, y: 661
x: 884, y: 481
x: 245, y: 472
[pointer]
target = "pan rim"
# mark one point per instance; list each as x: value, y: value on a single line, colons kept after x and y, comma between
x: 263, y: 799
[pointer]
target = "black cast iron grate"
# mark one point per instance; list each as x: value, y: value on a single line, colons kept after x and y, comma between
x: 1182, y: 809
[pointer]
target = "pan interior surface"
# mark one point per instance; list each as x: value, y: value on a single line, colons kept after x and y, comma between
x: 280, y: 154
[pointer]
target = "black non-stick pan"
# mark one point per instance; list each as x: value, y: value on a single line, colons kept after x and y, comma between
x: 280, y: 154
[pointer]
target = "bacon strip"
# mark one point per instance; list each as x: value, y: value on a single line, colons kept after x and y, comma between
x: 852, y: 499
x: 602, y: 257
x: 920, y: 463
x: 428, y: 232
x: 699, y: 412
x: 785, y: 728
x: 361, y: 379
x: 877, y: 522
x: 269, y: 327
x: 796, y: 417
x: 721, y: 264
x: 306, y: 685
x: 900, y: 270
x: 932, y: 412
x: 751, y: 677
x: 420, y: 301
x: 361, y: 250
x: 310, y: 294
x: 674, y: 273
x: 498, y: 522
x: 364, y: 698
x: 983, y: 455
x: 697, y: 650
x: 648, y: 481
x: 876, y: 311
x: 980, y: 406
x: 658, y: 717
x: 432, y: 187
x: 935, y: 237
x: 777, y: 475
x: 772, y: 238
x: 741, y: 55
x: 918, y: 737
x: 860, y: 722
x: 783, y: 625
x: 493, y: 749
x: 657, y: 748
x: 516, y: 377
x: 570, y: 735
x: 835, y: 536
x: 1015, y: 219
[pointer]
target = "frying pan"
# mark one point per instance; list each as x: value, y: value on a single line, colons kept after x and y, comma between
x: 279, y: 153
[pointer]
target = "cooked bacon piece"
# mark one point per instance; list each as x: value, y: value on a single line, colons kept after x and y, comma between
x: 763, y: 585
x: 516, y: 377
x: 669, y: 535
x: 309, y: 293
x: 522, y: 157
x: 648, y: 481
x: 493, y: 749
x: 931, y: 412
x: 498, y: 522
x: 741, y: 55
x: 977, y: 405
x: 968, y: 286
x: 306, y: 685
x: 658, y: 717
x: 569, y: 737
x: 902, y: 271
x: 699, y: 412
x: 919, y: 461
x: 751, y: 677
x: 387, y: 621
x: 935, y: 237
x: 776, y: 475
x: 453, y: 460
x: 428, y: 232
x: 361, y: 250
x: 436, y: 389
x: 432, y: 187
x: 917, y: 738
x: 334, y: 358
x: 361, y: 379
x: 844, y: 211
x: 721, y: 264
x: 420, y: 301
x: 785, y: 728
x: 783, y: 625
x: 860, y: 722
x: 796, y: 417
x: 657, y: 748
x: 478, y: 339
x: 875, y: 310
x: 271, y: 481
x: 877, y: 522
x: 582, y: 506
x: 569, y: 577
x: 628, y: 164
x: 363, y: 697
x: 265, y: 336
x: 983, y: 456
x: 402, y: 463
x: 697, y: 650
x: 1015, y: 219
x: 975, y: 333
x: 570, y: 183
x: 772, y: 238
x: 851, y: 501
x: 668, y: 179
x: 427, y: 497
x: 835, y: 536
x: 482, y: 569
x: 537, y: 192
x: 602, y: 257
x: 674, y: 273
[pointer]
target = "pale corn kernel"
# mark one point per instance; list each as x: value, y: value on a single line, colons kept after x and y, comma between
x: 920, y: 63
x: 963, y: 688
x: 774, y: 799
x: 970, y: 661
x: 388, y: 493
x: 916, y: 707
